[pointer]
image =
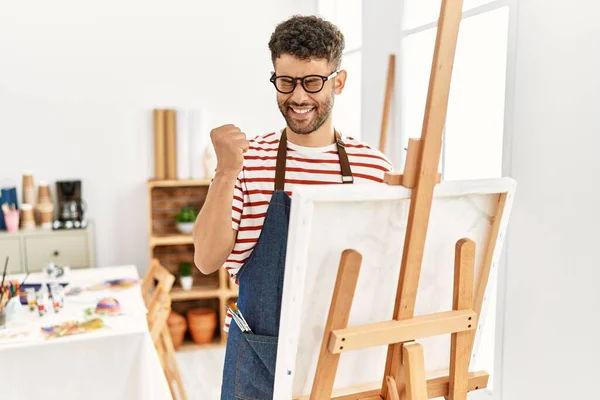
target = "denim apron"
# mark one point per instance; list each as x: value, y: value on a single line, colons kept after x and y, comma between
x: 249, y: 371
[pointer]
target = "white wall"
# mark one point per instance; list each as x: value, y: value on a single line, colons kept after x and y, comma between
x: 551, y: 315
x: 78, y: 81
x: 552, y: 321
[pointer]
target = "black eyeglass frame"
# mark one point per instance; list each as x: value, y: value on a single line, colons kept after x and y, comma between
x: 295, y: 81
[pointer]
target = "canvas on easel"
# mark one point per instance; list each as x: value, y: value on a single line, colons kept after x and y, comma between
x: 385, y: 286
x: 372, y: 220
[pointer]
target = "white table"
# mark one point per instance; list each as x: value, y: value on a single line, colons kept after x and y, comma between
x: 115, y: 362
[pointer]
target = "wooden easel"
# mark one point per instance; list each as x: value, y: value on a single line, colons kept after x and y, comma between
x: 387, y: 102
x: 406, y: 179
x: 405, y: 371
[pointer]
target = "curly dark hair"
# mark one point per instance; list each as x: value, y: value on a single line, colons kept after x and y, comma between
x: 306, y: 37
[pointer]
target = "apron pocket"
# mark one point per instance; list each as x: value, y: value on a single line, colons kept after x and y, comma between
x: 255, y: 369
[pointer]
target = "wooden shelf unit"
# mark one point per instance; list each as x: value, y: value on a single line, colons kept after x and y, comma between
x: 152, y: 183
x: 166, y: 240
x: 165, y: 197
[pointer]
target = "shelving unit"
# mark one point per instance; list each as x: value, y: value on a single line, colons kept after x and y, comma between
x: 169, y: 246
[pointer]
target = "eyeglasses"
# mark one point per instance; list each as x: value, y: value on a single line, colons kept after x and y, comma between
x: 310, y: 83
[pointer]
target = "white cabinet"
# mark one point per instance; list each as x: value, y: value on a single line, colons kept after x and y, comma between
x: 11, y: 247
x: 31, y: 251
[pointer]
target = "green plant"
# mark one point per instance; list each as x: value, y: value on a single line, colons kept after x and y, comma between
x: 185, y: 269
x: 186, y: 214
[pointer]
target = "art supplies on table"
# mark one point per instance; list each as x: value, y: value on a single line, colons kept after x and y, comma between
x: 9, y: 290
x: 70, y: 328
x: 41, y: 300
x: 73, y: 290
x: 13, y: 335
x: 115, y: 284
x: 53, y: 271
x: 108, y: 306
x: 58, y: 297
x: 9, y: 298
x: 30, y: 293
x: 3, y: 296
x: 25, y: 288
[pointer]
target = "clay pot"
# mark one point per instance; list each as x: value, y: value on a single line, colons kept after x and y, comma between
x: 177, y: 327
x: 202, y: 323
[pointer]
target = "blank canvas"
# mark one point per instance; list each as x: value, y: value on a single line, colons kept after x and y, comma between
x: 372, y: 219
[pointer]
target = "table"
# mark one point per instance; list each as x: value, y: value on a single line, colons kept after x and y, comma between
x: 116, y: 362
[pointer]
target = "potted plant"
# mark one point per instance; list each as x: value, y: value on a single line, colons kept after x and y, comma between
x: 185, y: 219
x: 185, y: 275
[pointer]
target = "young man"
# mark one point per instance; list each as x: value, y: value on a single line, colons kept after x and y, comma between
x: 257, y: 176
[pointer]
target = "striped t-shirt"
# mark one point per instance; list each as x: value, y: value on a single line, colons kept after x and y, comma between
x: 304, y: 166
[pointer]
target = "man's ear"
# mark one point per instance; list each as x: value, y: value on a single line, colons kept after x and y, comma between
x: 339, y: 82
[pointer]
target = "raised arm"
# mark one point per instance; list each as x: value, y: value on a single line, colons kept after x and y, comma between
x: 214, y: 233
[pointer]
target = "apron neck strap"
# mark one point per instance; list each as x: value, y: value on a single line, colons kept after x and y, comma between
x: 281, y: 161
x: 344, y: 163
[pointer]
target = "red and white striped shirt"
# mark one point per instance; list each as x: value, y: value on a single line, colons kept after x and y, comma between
x: 304, y: 166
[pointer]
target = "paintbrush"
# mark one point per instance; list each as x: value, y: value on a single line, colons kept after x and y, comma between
x: 237, y: 319
x: 24, y: 279
x: 3, y: 277
x: 239, y: 323
x: 236, y: 311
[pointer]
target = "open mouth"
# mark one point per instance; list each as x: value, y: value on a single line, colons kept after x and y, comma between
x: 301, y: 112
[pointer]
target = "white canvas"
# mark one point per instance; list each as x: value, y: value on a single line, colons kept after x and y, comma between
x: 372, y: 219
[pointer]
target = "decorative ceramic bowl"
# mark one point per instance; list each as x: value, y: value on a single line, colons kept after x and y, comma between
x: 108, y: 306
x: 185, y: 227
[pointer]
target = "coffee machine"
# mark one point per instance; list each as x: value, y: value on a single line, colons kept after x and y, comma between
x: 71, y: 207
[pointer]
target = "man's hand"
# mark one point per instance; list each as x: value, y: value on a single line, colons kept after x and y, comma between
x: 230, y: 145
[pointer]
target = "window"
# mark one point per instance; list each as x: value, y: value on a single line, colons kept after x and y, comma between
x: 475, y: 120
x: 474, y: 128
x: 347, y: 16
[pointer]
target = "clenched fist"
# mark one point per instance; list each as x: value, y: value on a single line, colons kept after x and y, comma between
x: 230, y: 145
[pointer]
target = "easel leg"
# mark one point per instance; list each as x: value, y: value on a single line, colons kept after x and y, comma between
x: 415, y: 380
x: 339, y: 313
x: 460, y: 348
x: 392, y: 387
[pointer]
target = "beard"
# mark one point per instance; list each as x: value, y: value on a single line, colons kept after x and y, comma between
x: 320, y: 113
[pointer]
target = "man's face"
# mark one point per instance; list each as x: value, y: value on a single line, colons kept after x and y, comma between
x: 305, y: 112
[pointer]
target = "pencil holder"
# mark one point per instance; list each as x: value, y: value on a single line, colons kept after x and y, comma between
x: 11, y: 218
x: 13, y: 309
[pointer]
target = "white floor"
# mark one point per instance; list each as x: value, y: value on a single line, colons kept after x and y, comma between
x: 201, y: 373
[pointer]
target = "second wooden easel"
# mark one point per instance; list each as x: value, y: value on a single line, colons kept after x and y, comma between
x: 387, y: 102
x: 405, y: 371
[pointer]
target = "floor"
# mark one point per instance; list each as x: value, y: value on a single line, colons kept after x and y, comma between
x: 201, y: 372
